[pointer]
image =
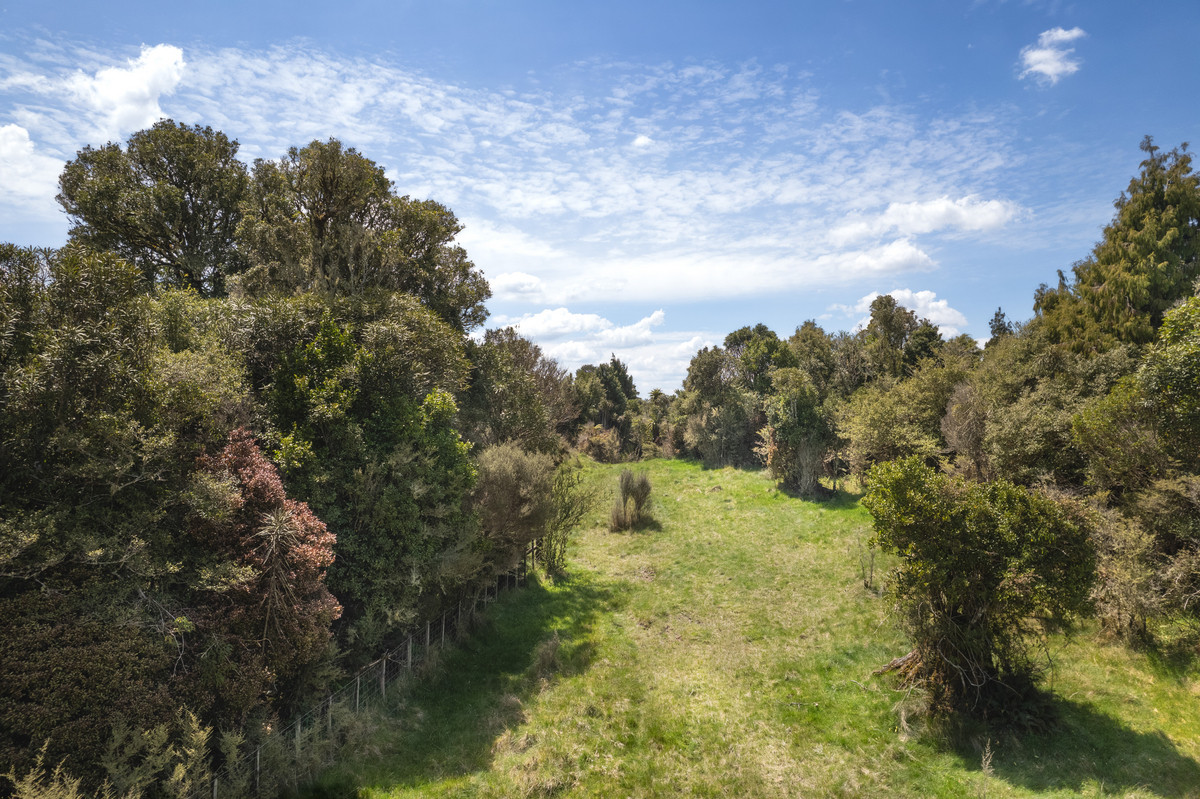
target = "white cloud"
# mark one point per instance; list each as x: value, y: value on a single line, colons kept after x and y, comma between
x: 554, y: 323
x: 127, y: 97
x: 639, y: 332
x: 924, y: 304
x: 516, y: 286
x: 642, y: 141
x: 26, y: 174
x: 914, y: 218
x: 1050, y: 59
x: 656, y: 358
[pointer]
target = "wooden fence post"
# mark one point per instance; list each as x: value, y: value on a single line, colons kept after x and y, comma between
x: 383, y: 677
x: 357, y: 685
x: 257, y: 770
x: 442, y: 645
x: 410, y: 652
x: 427, y: 634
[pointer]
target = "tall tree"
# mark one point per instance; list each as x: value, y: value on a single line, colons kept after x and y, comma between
x: 890, y: 327
x: 169, y: 203
x: 1147, y: 260
x: 325, y: 218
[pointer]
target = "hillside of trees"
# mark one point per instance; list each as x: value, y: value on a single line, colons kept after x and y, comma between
x: 247, y: 438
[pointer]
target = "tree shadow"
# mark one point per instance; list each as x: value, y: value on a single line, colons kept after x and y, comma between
x: 447, y: 724
x: 1088, y: 748
x: 1172, y: 650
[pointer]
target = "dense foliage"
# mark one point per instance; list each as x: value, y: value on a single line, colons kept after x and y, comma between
x: 232, y: 460
x: 979, y: 563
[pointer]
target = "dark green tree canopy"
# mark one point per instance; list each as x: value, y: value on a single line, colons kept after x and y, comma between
x: 169, y: 203
x: 325, y: 218
x: 758, y: 350
x: 1147, y: 260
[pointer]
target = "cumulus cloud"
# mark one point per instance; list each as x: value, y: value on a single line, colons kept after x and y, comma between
x: 655, y: 358
x: 966, y: 214
x: 554, y: 323
x: 924, y: 304
x: 127, y: 97
x: 516, y: 286
x: 27, y: 174
x: 1049, y: 60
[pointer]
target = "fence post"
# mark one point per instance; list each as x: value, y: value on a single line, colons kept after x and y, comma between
x: 214, y: 787
x: 329, y: 716
x: 410, y: 652
x: 442, y: 645
x: 357, y: 685
x: 299, y: 719
x: 427, y: 634
x: 383, y: 677
x: 257, y: 770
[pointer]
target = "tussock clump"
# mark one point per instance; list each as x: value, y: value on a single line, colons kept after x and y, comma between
x: 630, y: 503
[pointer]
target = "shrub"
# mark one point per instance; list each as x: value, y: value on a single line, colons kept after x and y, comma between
x: 979, y: 562
x: 514, y: 498
x: 570, y: 501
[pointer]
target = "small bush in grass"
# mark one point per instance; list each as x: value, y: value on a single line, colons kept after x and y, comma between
x: 630, y: 503
x: 983, y: 568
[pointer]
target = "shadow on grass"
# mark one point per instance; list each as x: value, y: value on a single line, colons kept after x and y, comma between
x: 448, y: 723
x: 1090, y: 748
x: 1173, y: 649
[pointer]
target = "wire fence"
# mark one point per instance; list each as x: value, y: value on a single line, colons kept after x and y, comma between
x: 294, y: 754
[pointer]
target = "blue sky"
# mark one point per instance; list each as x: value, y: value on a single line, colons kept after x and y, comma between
x: 641, y: 178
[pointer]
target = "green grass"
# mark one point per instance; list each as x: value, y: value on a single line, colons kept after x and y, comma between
x: 725, y: 647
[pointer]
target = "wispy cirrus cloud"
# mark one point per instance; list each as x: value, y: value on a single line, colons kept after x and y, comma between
x: 643, y: 184
x: 1050, y: 59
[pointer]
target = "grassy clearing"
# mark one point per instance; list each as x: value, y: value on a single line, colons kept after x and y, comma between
x: 725, y: 647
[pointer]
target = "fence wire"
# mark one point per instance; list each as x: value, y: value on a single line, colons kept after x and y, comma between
x: 297, y: 752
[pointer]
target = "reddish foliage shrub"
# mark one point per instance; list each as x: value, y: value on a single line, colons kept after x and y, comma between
x: 262, y: 605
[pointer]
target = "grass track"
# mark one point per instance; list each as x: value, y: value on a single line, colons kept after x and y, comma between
x: 726, y: 648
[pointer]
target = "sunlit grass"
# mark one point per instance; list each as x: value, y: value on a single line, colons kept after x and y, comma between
x: 725, y: 647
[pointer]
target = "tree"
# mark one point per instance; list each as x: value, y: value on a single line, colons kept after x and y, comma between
x: 813, y: 349
x: 797, y: 434
x: 261, y: 608
x: 1170, y: 375
x: 999, y: 326
x: 1147, y: 259
x: 758, y: 350
x: 324, y: 218
x: 516, y: 394
x: 886, y: 335
x: 169, y: 203
x: 982, y: 568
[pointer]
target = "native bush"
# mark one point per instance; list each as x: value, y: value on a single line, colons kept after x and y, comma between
x: 514, y: 499
x: 570, y: 502
x: 983, y: 568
